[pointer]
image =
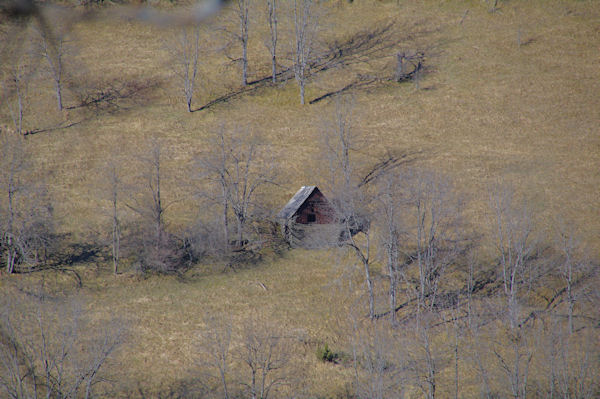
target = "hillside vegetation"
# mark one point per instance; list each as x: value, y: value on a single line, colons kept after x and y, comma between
x: 484, y: 225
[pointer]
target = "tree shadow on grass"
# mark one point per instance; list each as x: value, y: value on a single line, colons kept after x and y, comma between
x: 59, y: 126
x: 252, y: 87
x: 358, y: 49
x: 114, y: 96
x: 96, y: 99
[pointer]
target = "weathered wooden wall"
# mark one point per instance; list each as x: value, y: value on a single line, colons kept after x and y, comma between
x: 316, y: 209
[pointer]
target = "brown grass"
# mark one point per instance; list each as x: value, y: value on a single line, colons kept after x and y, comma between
x: 488, y: 110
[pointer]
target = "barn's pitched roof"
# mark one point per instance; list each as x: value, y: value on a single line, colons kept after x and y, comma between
x: 296, y: 202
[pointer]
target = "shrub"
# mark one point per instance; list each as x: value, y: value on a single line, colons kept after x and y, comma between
x: 326, y: 355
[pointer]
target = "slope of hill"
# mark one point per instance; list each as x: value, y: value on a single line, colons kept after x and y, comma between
x: 507, y: 96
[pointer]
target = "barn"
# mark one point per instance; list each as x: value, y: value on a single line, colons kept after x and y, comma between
x: 308, y: 219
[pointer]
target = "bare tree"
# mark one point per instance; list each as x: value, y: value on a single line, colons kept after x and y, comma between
x: 156, y: 209
x: 433, y: 228
x: 13, y: 166
x: 271, y: 44
x: 363, y: 253
x: 424, y: 226
x: 475, y: 322
x: 457, y: 328
x: 349, y: 200
x: 233, y: 166
x: 17, y: 84
x: 25, y: 212
x: 17, y: 72
x: 214, y: 166
x: 389, y: 211
x: 242, y: 13
x: 116, y: 188
x: 574, y: 270
x: 425, y: 359
x: 265, y: 354
x: 47, y: 349
x: 236, y: 27
x: 516, y: 361
x: 160, y: 251
x: 515, y: 244
x: 381, y: 362
x: 573, y: 362
x: 53, y: 49
x: 215, y: 342
x: 185, y: 50
x: 304, y: 22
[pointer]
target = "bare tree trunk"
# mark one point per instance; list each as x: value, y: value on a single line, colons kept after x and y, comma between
x: 243, y: 6
x: 26, y: 224
x: 158, y: 208
x: 225, y: 213
x: 272, y: 17
x: 116, y: 224
x: 11, y: 252
x: 431, y: 368
x: 387, y: 213
x: 369, y: 282
x: 240, y: 231
x: 417, y: 75
x: 215, y: 345
x: 400, y: 66
x: 19, y: 118
x: 12, y: 166
x: 245, y: 65
x: 423, y: 330
x: 53, y: 52
x: 302, y: 82
x: 185, y: 51
x: 339, y: 143
x: 363, y: 255
x: 116, y: 238
x: 304, y: 23
x: 19, y: 85
x: 514, y: 245
x: 18, y: 66
x: 59, y: 95
x: 392, y: 262
x: 571, y: 270
x: 457, y: 330
x: 473, y: 329
x: 159, y: 251
x: 253, y: 386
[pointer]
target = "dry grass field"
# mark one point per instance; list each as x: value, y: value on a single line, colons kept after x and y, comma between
x: 488, y: 109
x: 510, y: 96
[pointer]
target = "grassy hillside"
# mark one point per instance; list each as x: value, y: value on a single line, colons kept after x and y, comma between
x: 488, y: 109
x: 508, y: 96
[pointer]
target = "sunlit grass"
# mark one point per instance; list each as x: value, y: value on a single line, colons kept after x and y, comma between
x: 488, y: 111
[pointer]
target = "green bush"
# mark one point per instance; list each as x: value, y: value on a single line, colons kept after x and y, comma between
x: 326, y: 355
